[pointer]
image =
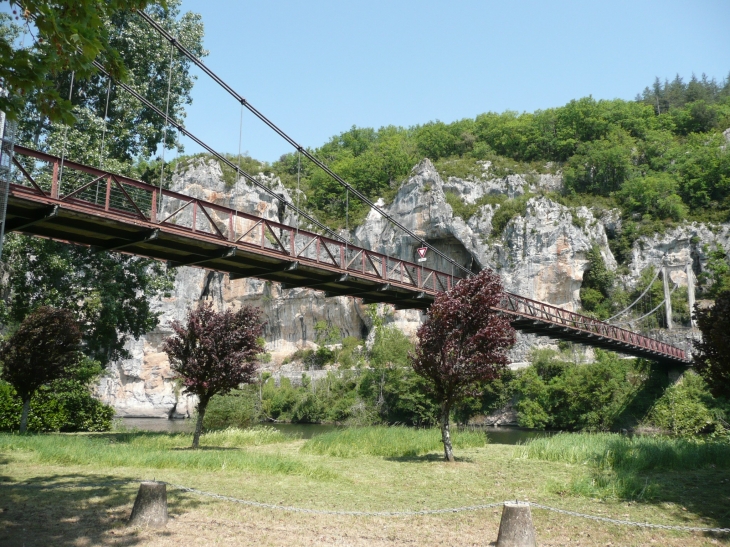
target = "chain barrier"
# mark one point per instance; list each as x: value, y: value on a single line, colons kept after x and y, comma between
x: 629, y: 522
x: 303, y: 510
x: 291, y: 509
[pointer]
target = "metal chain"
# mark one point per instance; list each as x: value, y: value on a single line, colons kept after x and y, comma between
x: 628, y: 522
x: 291, y: 509
x: 304, y: 510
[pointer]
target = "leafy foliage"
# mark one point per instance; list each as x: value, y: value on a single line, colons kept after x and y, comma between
x: 662, y: 163
x: 68, y: 35
x: 214, y: 352
x: 107, y: 294
x: 712, y: 356
x: 43, y: 349
x: 63, y: 405
x: 597, y: 285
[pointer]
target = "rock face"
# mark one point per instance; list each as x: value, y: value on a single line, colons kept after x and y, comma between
x: 540, y: 253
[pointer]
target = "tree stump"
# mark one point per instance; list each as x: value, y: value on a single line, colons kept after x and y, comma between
x: 150, y: 507
x: 515, y: 528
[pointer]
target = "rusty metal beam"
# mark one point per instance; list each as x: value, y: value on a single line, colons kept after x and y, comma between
x: 225, y: 253
x: 317, y: 282
x: 144, y: 237
x: 263, y: 272
x: 17, y: 224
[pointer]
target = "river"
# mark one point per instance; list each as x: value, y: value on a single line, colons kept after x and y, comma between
x: 496, y: 435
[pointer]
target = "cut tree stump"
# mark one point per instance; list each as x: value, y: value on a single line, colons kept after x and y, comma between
x: 150, y: 507
x: 515, y: 528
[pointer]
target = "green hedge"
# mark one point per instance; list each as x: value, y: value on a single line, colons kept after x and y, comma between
x: 62, y: 406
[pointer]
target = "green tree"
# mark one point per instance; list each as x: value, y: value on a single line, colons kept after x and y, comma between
x: 655, y: 195
x: 601, y: 166
x: 597, y: 285
x: 107, y: 294
x: 43, y: 349
x: 712, y: 352
x: 67, y: 35
x: 132, y: 130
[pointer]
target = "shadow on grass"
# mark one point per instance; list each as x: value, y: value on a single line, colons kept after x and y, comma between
x: 73, y: 509
x: 191, y: 449
x: 700, y: 489
x: 425, y: 458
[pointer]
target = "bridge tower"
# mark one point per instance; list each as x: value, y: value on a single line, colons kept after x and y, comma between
x: 691, y: 293
x: 667, y: 296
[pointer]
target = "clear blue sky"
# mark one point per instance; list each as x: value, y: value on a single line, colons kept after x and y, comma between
x: 317, y: 67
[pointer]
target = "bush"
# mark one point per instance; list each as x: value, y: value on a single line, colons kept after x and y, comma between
x: 239, y: 408
x: 687, y: 408
x: 61, y: 406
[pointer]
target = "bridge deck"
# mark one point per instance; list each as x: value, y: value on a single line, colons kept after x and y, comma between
x: 111, y: 212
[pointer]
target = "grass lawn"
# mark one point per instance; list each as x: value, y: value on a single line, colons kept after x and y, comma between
x: 64, y: 489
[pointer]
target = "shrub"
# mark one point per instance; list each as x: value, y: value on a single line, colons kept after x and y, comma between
x: 61, y: 406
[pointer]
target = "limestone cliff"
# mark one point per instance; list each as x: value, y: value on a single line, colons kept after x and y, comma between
x: 541, y: 254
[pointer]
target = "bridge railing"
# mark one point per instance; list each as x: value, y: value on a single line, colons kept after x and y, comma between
x: 108, y: 194
x: 520, y: 306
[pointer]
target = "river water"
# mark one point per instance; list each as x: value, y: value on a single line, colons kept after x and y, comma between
x: 496, y: 435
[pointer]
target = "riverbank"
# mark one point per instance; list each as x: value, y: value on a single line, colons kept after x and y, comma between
x: 81, y: 488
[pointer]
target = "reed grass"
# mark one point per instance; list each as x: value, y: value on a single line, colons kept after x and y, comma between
x: 611, y: 451
x: 388, y: 442
x: 219, y: 450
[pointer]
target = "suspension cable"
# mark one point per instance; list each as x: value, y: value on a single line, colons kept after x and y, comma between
x: 65, y: 133
x: 629, y: 321
x: 635, y: 301
x: 164, y: 129
x: 218, y: 155
x: 291, y: 141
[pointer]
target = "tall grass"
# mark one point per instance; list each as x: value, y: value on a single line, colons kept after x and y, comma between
x: 620, y: 467
x: 610, y: 451
x: 220, y: 450
x: 392, y: 442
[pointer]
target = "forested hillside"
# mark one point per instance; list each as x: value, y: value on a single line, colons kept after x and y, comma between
x: 661, y: 157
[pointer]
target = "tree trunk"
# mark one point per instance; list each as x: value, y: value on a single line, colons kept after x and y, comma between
x: 445, y: 434
x: 24, y: 415
x: 202, y: 404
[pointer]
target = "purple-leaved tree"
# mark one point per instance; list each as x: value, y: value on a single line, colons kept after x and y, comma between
x: 462, y: 342
x: 214, y: 352
x: 43, y: 349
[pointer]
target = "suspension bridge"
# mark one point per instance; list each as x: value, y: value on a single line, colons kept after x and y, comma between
x: 81, y: 204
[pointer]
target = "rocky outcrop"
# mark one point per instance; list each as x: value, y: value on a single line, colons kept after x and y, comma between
x: 540, y: 253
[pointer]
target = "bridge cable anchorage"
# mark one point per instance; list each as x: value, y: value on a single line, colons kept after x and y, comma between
x: 103, y: 135
x: 65, y: 133
x: 217, y: 154
x: 164, y: 130
x: 293, y: 143
x: 637, y: 300
x: 629, y: 321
